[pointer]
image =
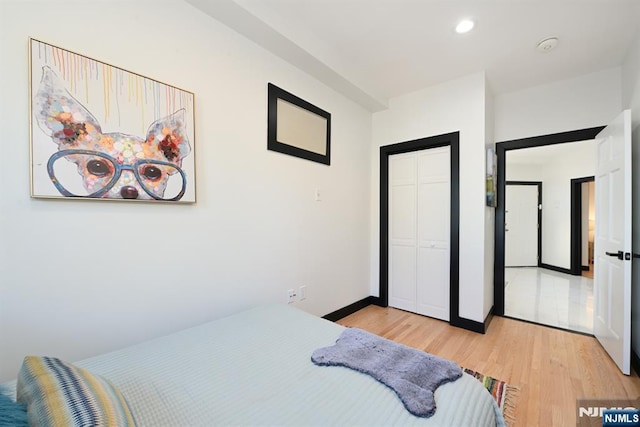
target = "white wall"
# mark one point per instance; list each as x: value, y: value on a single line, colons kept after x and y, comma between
x: 78, y: 278
x: 489, y: 212
x: 582, y: 102
x: 631, y: 81
x: 556, y: 200
x: 458, y: 105
x: 522, y: 171
x: 631, y: 99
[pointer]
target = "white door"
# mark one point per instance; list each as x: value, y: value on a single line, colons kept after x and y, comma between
x: 402, y: 231
x: 419, y: 238
x: 521, y: 226
x: 434, y: 218
x: 612, y: 284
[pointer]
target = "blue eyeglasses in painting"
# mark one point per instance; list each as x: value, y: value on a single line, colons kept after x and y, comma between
x: 87, y: 173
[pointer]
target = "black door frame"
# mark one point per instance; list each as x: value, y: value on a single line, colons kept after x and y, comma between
x: 501, y: 149
x: 539, y: 185
x: 576, y: 223
x: 453, y: 141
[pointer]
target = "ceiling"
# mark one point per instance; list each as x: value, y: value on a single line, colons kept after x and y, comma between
x: 374, y: 50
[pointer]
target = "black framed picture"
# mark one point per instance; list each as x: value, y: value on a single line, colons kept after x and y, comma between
x: 297, y: 127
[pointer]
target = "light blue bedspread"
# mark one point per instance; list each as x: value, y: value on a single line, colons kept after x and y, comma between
x: 254, y: 368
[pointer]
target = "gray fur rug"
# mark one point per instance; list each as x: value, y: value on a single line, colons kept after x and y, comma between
x: 413, y: 374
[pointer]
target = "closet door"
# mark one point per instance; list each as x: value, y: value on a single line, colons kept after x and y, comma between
x: 419, y: 238
x: 434, y: 202
x: 402, y: 231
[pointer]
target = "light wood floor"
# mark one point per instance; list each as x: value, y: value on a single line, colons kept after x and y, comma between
x: 551, y: 367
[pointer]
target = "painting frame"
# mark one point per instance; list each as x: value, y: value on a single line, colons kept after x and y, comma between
x: 101, y: 132
x: 490, y: 180
x: 297, y: 128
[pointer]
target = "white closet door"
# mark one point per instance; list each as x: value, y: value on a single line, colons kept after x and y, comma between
x: 434, y: 205
x: 402, y: 231
x: 419, y: 224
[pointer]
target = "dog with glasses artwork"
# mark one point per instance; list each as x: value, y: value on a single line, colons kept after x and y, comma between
x: 97, y: 164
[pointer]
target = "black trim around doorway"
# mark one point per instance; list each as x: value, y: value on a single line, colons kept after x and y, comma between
x: 576, y: 224
x: 501, y: 149
x: 449, y: 139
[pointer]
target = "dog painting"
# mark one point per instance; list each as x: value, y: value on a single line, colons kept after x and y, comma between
x: 75, y: 155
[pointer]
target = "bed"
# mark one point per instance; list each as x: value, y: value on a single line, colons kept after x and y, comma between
x: 254, y: 368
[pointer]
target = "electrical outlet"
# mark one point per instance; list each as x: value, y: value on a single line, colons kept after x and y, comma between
x: 303, y: 293
x: 291, y: 296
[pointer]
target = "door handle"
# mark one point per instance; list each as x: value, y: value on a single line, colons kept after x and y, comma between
x: 619, y: 254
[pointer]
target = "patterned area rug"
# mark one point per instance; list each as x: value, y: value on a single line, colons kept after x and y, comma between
x: 505, y: 394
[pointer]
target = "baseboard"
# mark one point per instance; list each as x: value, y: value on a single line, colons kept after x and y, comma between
x: 377, y: 301
x: 350, y: 309
x: 488, y: 319
x: 470, y: 325
x: 554, y: 268
x: 635, y: 362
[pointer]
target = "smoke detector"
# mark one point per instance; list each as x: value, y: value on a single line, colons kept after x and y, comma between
x: 547, y: 44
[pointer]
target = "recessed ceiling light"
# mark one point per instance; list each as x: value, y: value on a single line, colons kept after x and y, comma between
x: 464, y: 26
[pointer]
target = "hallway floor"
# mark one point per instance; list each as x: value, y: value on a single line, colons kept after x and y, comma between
x: 548, y: 297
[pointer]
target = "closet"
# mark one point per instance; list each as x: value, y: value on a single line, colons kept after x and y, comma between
x: 419, y: 237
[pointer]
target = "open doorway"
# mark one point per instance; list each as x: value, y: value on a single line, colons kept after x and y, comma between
x: 583, y: 220
x: 551, y: 284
